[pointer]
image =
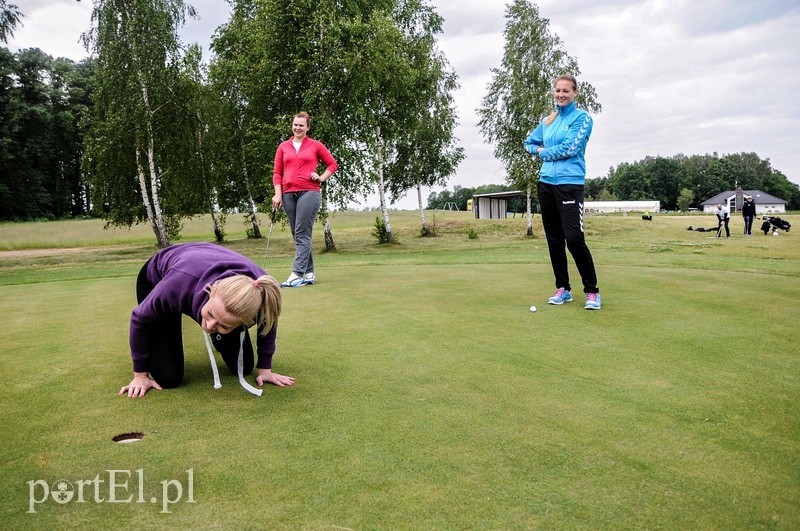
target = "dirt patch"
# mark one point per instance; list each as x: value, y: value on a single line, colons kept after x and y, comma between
x: 25, y: 253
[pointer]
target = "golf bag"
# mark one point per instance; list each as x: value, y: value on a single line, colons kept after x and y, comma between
x: 774, y: 223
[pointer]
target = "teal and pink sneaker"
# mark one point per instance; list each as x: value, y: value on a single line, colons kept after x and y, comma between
x: 592, y: 301
x: 560, y: 297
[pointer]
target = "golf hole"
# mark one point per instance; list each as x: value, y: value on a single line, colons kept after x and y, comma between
x: 125, y: 438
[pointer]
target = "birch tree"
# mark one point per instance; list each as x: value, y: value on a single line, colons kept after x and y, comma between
x: 427, y: 153
x: 273, y: 60
x: 364, y: 70
x: 520, y: 93
x: 394, y: 86
x: 242, y: 77
x: 141, y: 139
x: 203, y: 103
x: 10, y: 16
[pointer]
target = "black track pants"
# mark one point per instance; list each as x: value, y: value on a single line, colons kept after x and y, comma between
x: 562, y: 217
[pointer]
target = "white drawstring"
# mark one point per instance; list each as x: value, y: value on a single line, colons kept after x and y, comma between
x: 239, y: 365
x: 214, y: 369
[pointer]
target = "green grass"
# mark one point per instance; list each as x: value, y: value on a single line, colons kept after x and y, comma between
x: 427, y: 395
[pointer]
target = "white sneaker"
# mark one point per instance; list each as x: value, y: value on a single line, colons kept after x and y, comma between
x: 293, y: 281
x: 310, y: 278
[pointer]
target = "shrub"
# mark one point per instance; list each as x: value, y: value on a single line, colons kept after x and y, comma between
x: 380, y: 231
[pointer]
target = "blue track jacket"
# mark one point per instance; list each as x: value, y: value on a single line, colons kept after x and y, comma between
x: 564, y: 141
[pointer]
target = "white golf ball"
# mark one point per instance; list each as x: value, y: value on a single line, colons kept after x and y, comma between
x: 533, y: 308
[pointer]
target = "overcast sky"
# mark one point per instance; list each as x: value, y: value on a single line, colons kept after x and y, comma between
x: 678, y: 76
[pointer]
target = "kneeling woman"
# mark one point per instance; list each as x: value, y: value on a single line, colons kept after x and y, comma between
x: 224, y: 292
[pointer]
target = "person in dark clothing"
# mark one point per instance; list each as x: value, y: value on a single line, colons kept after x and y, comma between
x: 749, y: 214
x: 225, y: 293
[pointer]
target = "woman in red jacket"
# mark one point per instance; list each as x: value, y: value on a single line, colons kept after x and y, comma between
x: 297, y: 189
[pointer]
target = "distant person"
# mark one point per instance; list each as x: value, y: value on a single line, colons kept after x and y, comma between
x: 723, y: 216
x: 297, y: 189
x: 221, y: 290
x: 749, y: 214
x: 560, y: 142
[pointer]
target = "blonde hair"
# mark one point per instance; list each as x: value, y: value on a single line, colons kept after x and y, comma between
x: 251, y: 301
x: 562, y: 77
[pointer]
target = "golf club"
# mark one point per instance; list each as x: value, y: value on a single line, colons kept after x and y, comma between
x: 269, y: 236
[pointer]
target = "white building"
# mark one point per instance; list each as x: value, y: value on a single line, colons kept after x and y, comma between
x: 733, y: 199
x: 622, y: 206
x: 493, y: 206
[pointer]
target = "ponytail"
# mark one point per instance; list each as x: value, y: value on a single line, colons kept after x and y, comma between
x: 271, y: 302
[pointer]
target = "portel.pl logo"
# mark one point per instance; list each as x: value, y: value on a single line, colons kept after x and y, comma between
x: 120, y: 486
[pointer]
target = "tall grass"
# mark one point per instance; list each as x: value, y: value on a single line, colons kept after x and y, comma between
x: 428, y: 396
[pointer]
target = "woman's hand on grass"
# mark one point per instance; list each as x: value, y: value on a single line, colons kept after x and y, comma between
x: 140, y: 384
x: 267, y: 376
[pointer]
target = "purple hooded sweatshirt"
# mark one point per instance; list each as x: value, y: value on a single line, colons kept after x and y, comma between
x: 180, y: 275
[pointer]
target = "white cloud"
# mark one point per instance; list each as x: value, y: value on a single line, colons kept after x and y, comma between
x: 677, y: 76
x: 53, y: 26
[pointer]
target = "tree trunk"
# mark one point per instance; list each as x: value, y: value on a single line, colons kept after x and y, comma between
x: 146, y: 199
x: 219, y: 235
x: 382, y: 186
x: 426, y: 230
x: 528, y: 211
x: 384, y: 208
x: 250, y: 201
x: 329, y: 244
x: 158, y: 224
x: 252, y: 214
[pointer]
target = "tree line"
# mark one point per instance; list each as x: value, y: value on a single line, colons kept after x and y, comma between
x: 165, y: 135
x: 43, y: 102
x: 680, y: 182
x: 520, y: 95
x: 685, y: 181
x: 157, y: 134
x: 147, y: 131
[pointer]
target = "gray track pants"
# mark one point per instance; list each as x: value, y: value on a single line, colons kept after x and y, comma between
x: 302, y: 209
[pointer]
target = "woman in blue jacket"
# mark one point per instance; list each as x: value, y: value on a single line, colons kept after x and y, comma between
x: 560, y: 142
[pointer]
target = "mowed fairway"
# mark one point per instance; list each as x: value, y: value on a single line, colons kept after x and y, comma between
x: 427, y: 395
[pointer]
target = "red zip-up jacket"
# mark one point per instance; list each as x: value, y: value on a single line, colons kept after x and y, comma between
x: 293, y: 168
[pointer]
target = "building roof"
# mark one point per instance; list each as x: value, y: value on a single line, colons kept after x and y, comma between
x: 758, y: 196
x: 501, y: 195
